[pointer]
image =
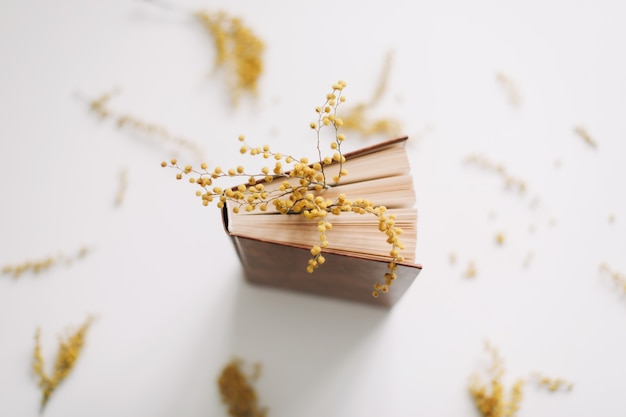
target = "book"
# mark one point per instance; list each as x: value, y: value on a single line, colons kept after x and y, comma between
x: 274, y: 248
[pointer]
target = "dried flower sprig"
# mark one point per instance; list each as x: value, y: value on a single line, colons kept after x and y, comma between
x: 452, y: 258
x: 238, y: 393
x: 237, y: 49
x: 160, y: 134
x: 299, y: 190
x: 618, y: 278
x: 511, y: 88
x: 121, y: 190
x: 490, y: 398
x: 69, y: 351
x: 471, y: 271
x: 356, y: 117
x: 552, y: 384
x: 509, y: 180
x: 43, y: 264
x: 584, y: 134
x: 528, y: 259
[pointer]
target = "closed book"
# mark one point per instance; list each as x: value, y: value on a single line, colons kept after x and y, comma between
x: 274, y: 248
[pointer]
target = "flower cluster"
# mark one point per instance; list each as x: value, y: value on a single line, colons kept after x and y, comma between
x: 69, y: 351
x: 238, y: 393
x: 298, y: 192
x: 490, y: 399
x: 237, y: 48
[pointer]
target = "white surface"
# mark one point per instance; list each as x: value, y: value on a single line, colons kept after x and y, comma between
x: 165, y: 282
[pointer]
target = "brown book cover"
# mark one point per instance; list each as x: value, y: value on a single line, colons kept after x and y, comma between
x: 344, y: 276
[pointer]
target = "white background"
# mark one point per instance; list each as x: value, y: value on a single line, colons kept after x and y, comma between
x: 164, y: 281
